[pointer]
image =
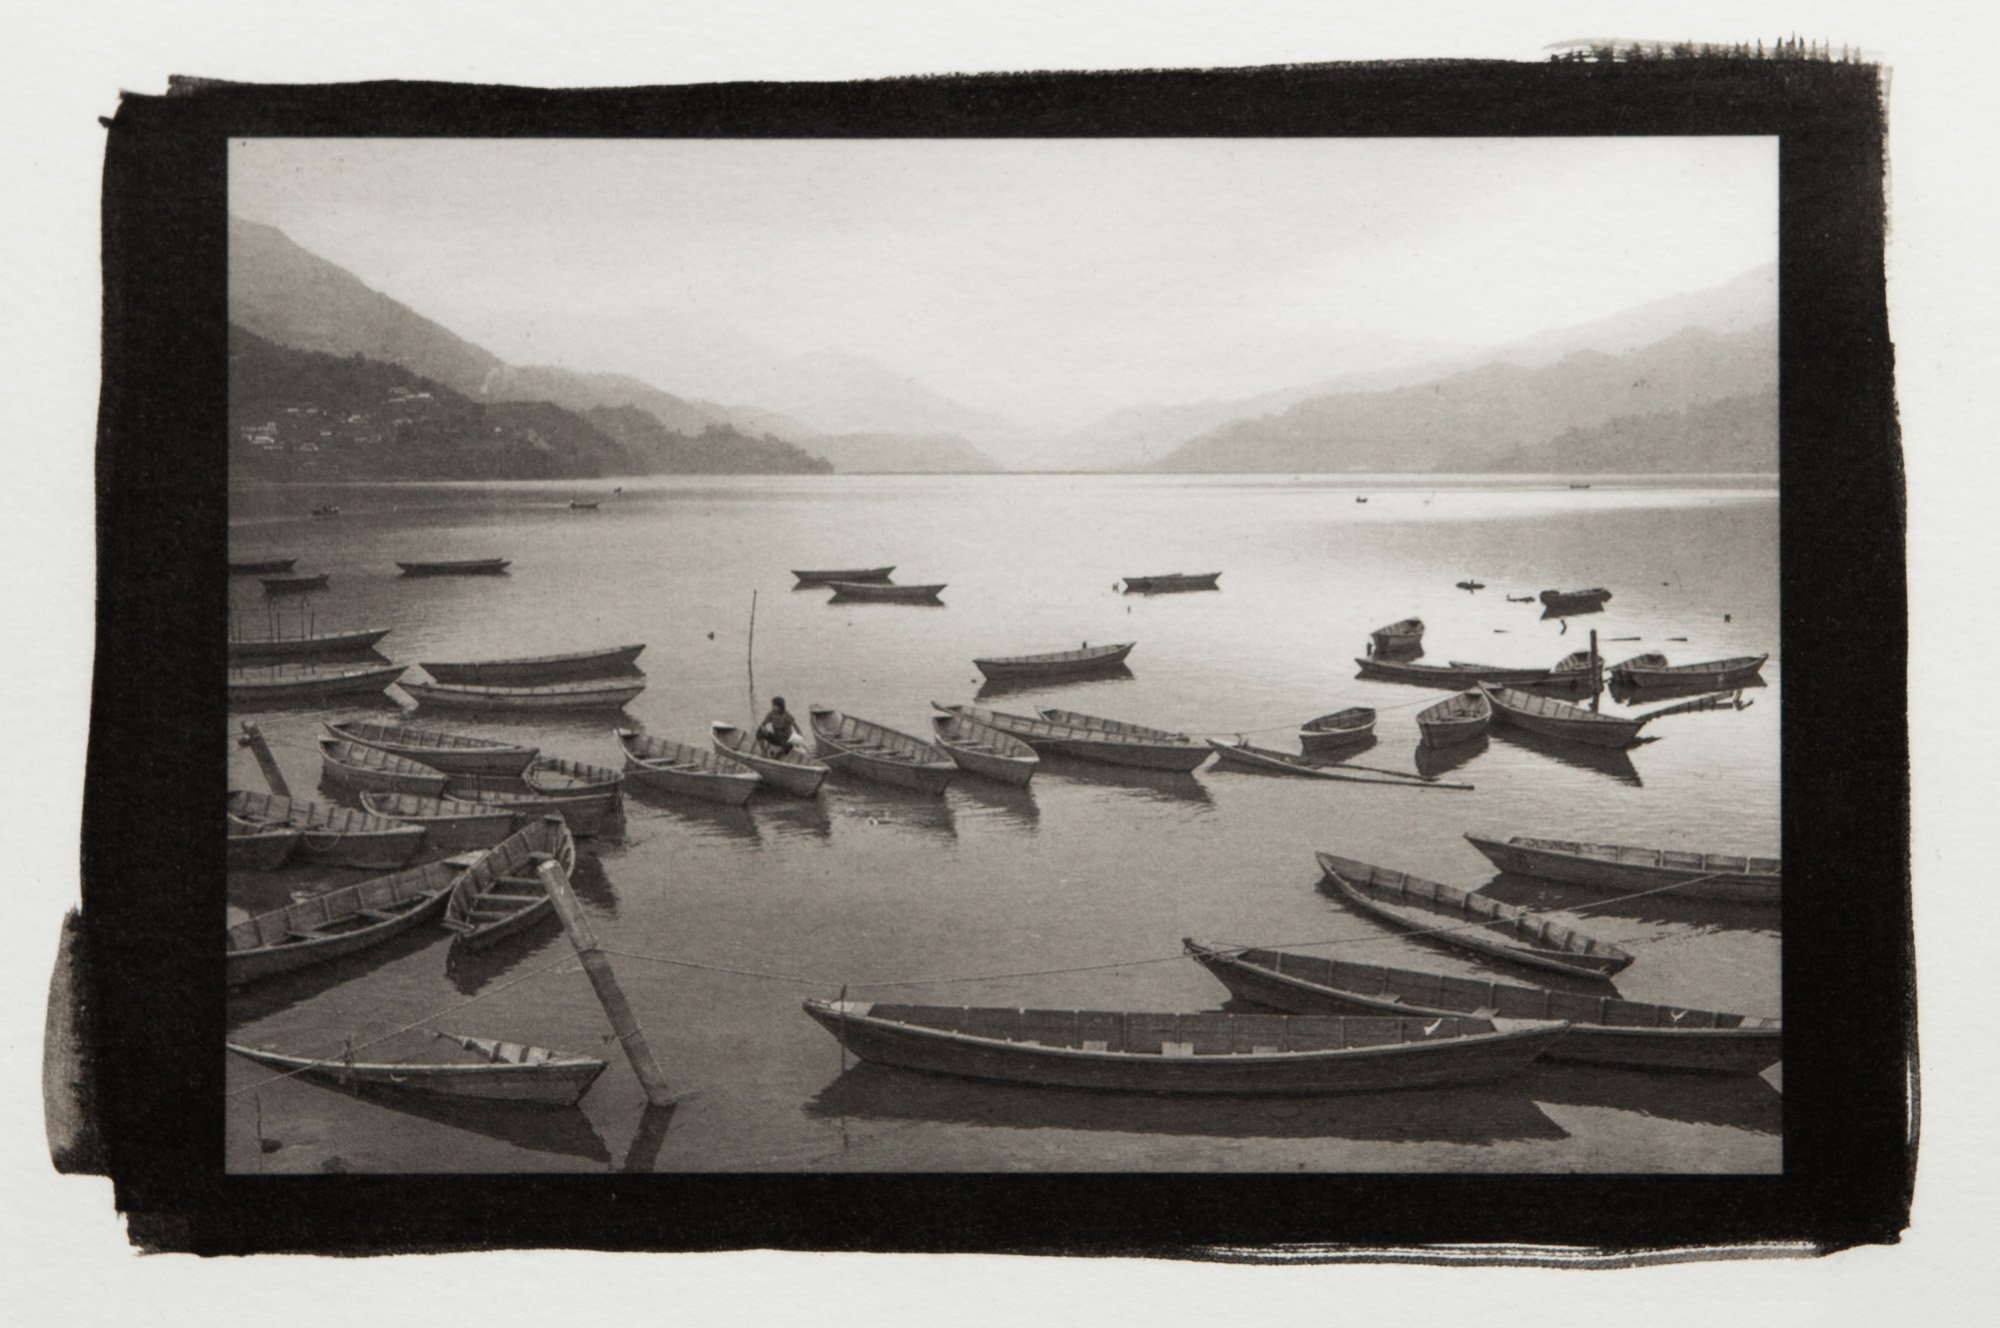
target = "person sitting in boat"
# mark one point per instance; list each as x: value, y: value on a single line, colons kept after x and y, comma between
x: 779, y: 732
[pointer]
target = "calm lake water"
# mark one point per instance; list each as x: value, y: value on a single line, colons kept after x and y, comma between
x: 1089, y: 867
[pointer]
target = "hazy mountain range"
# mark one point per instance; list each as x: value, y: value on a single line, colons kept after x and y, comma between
x: 1685, y: 383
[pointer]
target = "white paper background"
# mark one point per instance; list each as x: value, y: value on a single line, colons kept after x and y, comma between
x: 61, y: 1246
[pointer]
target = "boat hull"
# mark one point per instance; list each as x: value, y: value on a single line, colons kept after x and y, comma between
x: 253, y: 849
x: 475, y: 567
x: 1176, y: 756
x: 798, y: 778
x: 289, y: 938
x: 549, y: 1084
x: 446, y: 831
x: 1629, y: 877
x: 368, y: 779
x: 584, y: 815
x: 1348, y: 733
x: 826, y: 576
x: 1581, y: 727
x: 352, y: 682
x: 494, y: 759
x: 1730, y: 673
x: 1450, y: 722
x: 899, y: 774
x: 461, y: 697
x: 1444, y: 1061
x: 1060, y: 665
x: 865, y: 590
x: 687, y: 772
x: 1451, y: 678
x: 998, y: 756
x: 555, y: 668
x: 484, y: 908
x: 1172, y: 584
x: 306, y: 647
x: 334, y: 835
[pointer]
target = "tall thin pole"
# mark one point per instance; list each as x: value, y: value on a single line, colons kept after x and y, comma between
x: 597, y: 966
x: 1596, y: 676
x: 750, y: 659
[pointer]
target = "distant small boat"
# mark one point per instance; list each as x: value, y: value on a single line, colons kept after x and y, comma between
x: 1360, y: 498
x: 268, y: 567
x: 1342, y: 728
x: 1579, y: 486
x: 825, y: 575
x: 1455, y: 719
x: 985, y: 750
x: 485, y: 1069
x: 874, y: 751
x: 1470, y: 585
x: 305, y: 646
x: 1575, y: 599
x: 455, y: 753
x: 871, y: 590
x: 1455, y: 677
x: 1603, y: 1030
x: 335, y: 835
x: 593, y: 695
x: 1130, y: 745
x: 793, y: 771
x: 349, y: 765
x: 339, y: 922
x: 501, y: 894
x: 1144, y: 1052
x: 1654, y: 671
x: 251, y: 686
x: 326, y: 509
x: 1623, y: 869
x: 459, y: 567
x: 1170, y: 582
x: 295, y: 585
x: 450, y: 824
x: 578, y: 505
x: 1398, y: 637
x: 1061, y: 664
x: 1441, y: 914
x: 260, y: 847
x: 532, y: 669
x: 1520, y: 599
x: 1559, y: 719
x: 694, y: 772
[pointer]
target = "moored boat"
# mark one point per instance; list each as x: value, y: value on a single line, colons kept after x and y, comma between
x: 350, y: 765
x: 1060, y: 664
x: 1470, y: 585
x: 457, y: 567
x: 596, y: 694
x: 1654, y: 671
x: 1561, y: 600
x: 308, y: 682
x: 985, y: 750
x: 1146, y: 1052
x: 873, y: 751
x: 873, y: 590
x: 537, y: 668
x: 450, y: 825
x: 1128, y: 747
x: 1559, y: 719
x: 560, y: 777
x: 305, y: 646
x: 584, y: 815
x: 1455, y: 719
x: 1342, y: 728
x: 1118, y: 727
x: 296, y: 585
x: 339, y: 922
x: 1398, y: 637
x: 266, y: 567
x: 1603, y: 1030
x: 1168, y: 582
x: 454, y: 753
x: 794, y: 771
x: 1468, y: 920
x: 501, y: 894
x: 824, y: 575
x: 486, y: 1069
x: 331, y: 834
x: 260, y: 847
x: 694, y: 772
x: 1625, y: 869
x: 579, y: 505
x: 1453, y: 677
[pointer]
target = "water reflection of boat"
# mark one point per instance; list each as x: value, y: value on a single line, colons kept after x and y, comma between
x: 984, y: 798
x: 1459, y: 1115
x: 1013, y: 686
x: 1610, y: 761
x: 469, y: 971
x: 794, y: 818
x: 1435, y: 761
x: 1161, y: 785
x: 850, y: 799
x: 705, y: 820
x: 247, y: 1005
x: 1742, y: 1102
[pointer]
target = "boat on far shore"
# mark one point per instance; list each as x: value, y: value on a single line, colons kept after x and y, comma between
x: 1171, y: 582
x: 877, y: 590
x: 531, y: 669
x: 825, y: 575
x: 457, y: 567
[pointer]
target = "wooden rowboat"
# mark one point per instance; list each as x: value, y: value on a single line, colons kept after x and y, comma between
x: 306, y: 646
x: 985, y: 750
x: 267, y: 567
x: 1468, y: 920
x: 295, y: 585
x: 869, y: 750
x: 825, y: 575
x: 260, y: 847
x: 793, y: 771
x: 337, y: 835
x: 1559, y: 719
x: 340, y: 922
x: 1624, y: 869
x: 1454, y: 677
x: 502, y: 894
x: 892, y: 594
x: 537, y: 668
x: 584, y: 815
x: 454, y: 753
x: 1654, y: 671
x: 1455, y: 719
x: 1561, y: 600
x: 458, y: 567
x: 463, y: 1067
x: 579, y: 505
x: 1171, y: 582
x: 694, y: 772
x: 560, y: 777
x: 1342, y: 728
x: 1086, y: 743
x: 1117, y: 727
x: 1143, y: 1052
x: 1267, y: 760
x: 594, y: 695
x: 450, y: 825
x: 1398, y: 637
x: 1603, y: 1030
x: 250, y: 687
x: 349, y: 765
x: 1061, y: 664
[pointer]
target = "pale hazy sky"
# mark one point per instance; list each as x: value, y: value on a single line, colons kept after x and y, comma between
x: 1049, y: 280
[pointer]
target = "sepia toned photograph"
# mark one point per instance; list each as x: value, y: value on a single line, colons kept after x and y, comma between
x: 969, y: 655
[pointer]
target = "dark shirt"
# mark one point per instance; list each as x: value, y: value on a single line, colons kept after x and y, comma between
x: 778, y: 727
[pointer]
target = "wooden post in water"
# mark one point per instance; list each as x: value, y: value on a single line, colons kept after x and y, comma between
x: 1596, y: 674
x: 598, y: 966
x: 253, y: 738
x: 750, y: 662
